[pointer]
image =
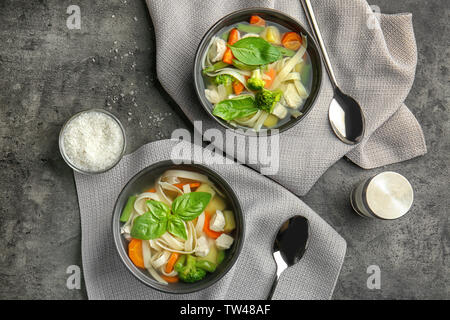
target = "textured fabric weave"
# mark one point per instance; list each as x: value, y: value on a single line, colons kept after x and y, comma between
x: 374, y: 59
x: 265, y: 204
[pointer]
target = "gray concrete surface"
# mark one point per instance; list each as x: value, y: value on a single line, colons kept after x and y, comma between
x: 48, y: 72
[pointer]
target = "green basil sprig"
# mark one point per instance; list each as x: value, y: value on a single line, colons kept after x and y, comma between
x: 190, y: 205
x: 177, y: 227
x: 147, y: 227
x: 255, y: 51
x: 159, y: 209
x: 154, y: 223
x: 238, y: 107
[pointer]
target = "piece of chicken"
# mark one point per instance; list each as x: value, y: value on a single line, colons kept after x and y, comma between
x: 217, y: 49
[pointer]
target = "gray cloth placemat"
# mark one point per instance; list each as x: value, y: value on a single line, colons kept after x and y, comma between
x: 374, y: 65
x: 265, y: 204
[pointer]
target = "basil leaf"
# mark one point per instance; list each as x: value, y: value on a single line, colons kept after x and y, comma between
x: 176, y: 226
x: 238, y: 107
x: 255, y: 51
x: 147, y: 227
x: 159, y: 210
x: 190, y: 205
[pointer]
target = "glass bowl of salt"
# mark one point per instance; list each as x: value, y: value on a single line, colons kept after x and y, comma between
x: 92, y: 141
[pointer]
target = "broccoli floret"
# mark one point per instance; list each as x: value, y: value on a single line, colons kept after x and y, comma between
x: 189, y: 272
x: 256, y: 82
x: 266, y: 99
x: 224, y: 79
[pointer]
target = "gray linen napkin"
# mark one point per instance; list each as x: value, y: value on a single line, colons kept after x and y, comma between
x: 265, y: 205
x: 375, y: 65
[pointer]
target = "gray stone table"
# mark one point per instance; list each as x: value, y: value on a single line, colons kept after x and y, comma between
x: 48, y: 72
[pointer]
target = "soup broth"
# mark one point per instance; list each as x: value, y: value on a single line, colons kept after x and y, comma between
x: 257, y: 74
x: 179, y: 228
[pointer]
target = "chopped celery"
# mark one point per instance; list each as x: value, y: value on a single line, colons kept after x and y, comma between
x: 243, y: 66
x: 225, y: 35
x: 216, y: 66
x: 220, y: 256
x: 305, y: 74
x: 126, y: 213
x: 285, y: 51
x: 249, y: 28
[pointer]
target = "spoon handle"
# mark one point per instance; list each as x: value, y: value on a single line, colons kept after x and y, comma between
x: 314, y: 26
x: 272, y: 289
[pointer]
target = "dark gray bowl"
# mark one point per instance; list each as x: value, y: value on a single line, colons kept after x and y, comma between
x: 268, y: 15
x: 139, y: 183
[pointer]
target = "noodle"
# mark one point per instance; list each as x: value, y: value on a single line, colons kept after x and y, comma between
x: 139, y: 204
x: 147, y: 256
x: 157, y: 252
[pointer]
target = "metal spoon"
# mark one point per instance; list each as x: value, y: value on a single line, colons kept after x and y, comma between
x: 345, y: 114
x: 289, y: 246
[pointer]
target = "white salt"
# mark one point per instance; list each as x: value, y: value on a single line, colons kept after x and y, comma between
x: 93, y: 141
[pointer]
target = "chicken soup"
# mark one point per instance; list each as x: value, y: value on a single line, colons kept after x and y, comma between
x: 257, y: 74
x: 180, y: 228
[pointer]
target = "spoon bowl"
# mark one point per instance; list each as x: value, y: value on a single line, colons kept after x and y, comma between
x: 345, y: 114
x: 290, y: 245
x: 346, y: 118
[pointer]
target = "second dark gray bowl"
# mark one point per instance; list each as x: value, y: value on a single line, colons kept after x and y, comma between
x: 268, y: 15
x: 138, y: 184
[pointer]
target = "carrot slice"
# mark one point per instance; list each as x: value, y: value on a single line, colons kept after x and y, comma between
x: 135, y: 253
x: 152, y: 190
x: 210, y: 233
x: 192, y: 185
x: 270, y: 73
x: 291, y: 40
x: 238, y: 87
x: 257, y: 20
x: 228, y: 56
x: 170, y: 279
x: 171, y: 262
x: 233, y: 37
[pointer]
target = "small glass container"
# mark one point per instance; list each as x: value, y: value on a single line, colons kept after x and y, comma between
x: 67, y: 159
x: 386, y: 196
